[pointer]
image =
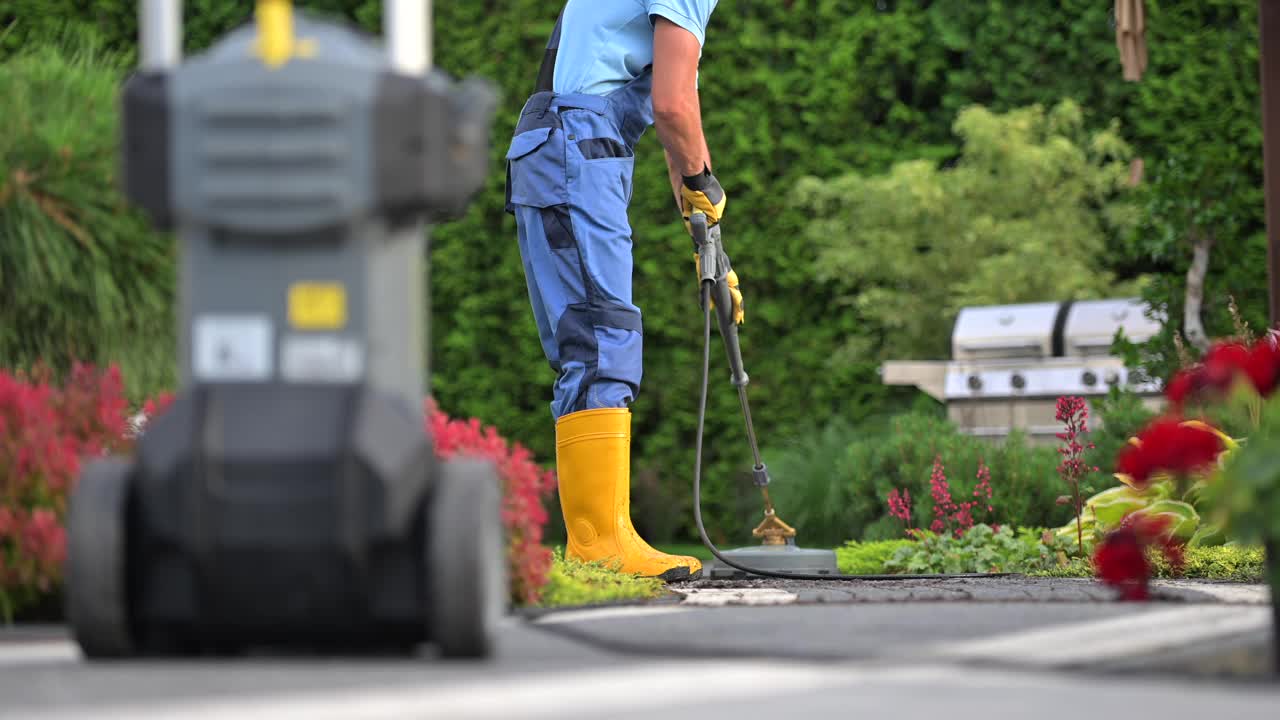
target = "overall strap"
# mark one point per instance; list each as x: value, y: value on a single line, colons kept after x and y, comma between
x: 547, y: 73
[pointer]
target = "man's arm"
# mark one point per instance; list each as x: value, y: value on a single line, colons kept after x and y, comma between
x: 676, y: 110
x: 674, y: 175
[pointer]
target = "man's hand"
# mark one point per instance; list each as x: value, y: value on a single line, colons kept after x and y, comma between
x: 702, y: 192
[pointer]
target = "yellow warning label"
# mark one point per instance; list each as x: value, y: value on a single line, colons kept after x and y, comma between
x: 317, y: 306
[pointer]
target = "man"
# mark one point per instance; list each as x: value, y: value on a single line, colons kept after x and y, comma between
x: 611, y: 69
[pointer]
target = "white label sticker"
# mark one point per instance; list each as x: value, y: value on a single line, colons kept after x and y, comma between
x: 232, y: 348
x: 321, y: 358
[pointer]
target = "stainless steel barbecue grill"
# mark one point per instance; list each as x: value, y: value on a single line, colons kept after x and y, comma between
x: 1010, y: 364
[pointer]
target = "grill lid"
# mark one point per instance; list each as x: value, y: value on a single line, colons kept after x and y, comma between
x: 1004, y: 332
x: 1091, y: 324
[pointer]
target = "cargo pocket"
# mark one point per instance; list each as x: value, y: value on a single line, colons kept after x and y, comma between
x: 602, y: 147
x: 604, y: 186
x: 535, y: 169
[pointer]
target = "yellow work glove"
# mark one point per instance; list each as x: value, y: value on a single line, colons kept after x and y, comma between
x: 732, y: 279
x: 702, y: 192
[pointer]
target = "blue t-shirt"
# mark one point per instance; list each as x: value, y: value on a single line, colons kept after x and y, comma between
x: 604, y: 44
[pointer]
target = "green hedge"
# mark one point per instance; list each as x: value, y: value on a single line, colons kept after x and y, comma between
x: 808, y: 87
x: 81, y: 276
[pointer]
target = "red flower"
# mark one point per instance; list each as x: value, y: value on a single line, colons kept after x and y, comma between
x: 1263, y: 365
x: 1223, y: 363
x: 158, y: 405
x: 1171, y: 446
x: 900, y: 505
x: 1121, y: 559
x: 1121, y: 562
x: 1184, y: 384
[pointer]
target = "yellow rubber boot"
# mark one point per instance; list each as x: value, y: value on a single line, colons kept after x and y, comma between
x: 593, y: 461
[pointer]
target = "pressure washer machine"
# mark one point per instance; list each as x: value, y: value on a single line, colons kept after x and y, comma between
x: 291, y: 496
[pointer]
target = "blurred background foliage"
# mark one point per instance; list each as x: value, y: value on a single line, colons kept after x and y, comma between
x: 1030, y: 190
x: 863, y: 104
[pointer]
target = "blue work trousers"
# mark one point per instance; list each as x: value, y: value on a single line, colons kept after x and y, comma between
x: 569, y: 184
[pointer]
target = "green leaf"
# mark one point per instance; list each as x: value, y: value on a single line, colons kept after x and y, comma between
x: 1183, y: 518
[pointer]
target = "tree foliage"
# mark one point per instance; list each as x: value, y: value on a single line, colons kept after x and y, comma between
x: 1023, y: 215
x: 1200, y: 121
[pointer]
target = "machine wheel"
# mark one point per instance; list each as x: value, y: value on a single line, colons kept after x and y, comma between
x: 467, y: 559
x: 96, y: 579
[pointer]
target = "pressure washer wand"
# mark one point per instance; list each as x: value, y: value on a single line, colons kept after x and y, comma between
x: 714, y: 267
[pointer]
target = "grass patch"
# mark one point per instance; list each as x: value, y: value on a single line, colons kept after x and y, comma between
x: 1235, y: 563
x: 867, y: 558
x: 1224, y: 563
x: 573, y: 582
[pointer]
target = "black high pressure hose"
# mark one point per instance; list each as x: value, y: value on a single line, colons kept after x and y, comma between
x: 707, y: 285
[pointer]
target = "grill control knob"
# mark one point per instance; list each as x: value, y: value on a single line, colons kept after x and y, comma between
x: 975, y: 382
x: 1089, y: 378
x: 1018, y: 381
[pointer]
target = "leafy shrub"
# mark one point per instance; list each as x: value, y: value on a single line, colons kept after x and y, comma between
x: 867, y: 558
x: 81, y: 276
x: 1187, y: 510
x: 1180, y: 502
x: 525, y: 485
x: 46, y: 430
x: 1024, y: 551
x: 574, y: 582
x: 834, y: 485
x: 980, y: 550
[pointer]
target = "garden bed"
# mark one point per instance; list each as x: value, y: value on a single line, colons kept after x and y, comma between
x: 1023, y: 553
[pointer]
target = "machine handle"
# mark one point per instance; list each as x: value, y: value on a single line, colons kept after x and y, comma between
x: 159, y: 35
x: 406, y: 27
